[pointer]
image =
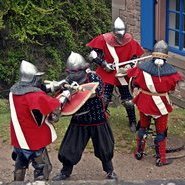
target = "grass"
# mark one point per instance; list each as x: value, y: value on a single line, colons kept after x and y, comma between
x: 124, y: 139
x: 4, y: 120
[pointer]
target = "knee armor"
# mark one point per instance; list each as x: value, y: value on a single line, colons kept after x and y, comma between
x: 128, y: 104
x: 160, y: 137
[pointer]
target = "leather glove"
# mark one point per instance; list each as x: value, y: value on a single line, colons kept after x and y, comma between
x: 107, y: 66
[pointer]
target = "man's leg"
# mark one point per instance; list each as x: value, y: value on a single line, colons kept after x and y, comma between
x: 141, y: 135
x: 160, y: 140
x: 71, y: 149
x: 19, y: 174
x: 42, y: 165
x: 21, y: 164
x: 129, y: 106
x: 103, y: 143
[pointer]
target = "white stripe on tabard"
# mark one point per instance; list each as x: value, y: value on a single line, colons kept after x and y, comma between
x: 116, y: 61
x: 17, y: 128
x: 53, y: 132
x: 149, y: 82
x: 157, y: 99
x: 114, y: 55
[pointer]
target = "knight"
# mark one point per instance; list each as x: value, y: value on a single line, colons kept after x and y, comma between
x: 89, y: 122
x: 33, y: 113
x: 155, y: 79
x: 113, y: 48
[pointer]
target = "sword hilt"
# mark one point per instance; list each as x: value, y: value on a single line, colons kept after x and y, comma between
x: 74, y: 87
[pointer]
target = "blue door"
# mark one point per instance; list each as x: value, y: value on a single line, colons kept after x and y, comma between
x: 148, y: 24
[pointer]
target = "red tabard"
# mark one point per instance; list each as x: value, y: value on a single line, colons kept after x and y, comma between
x: 163, y: 84
x: 36, y: 136
x: 124, y: 52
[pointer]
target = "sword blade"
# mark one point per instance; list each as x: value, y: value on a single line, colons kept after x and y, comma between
x: 132, y: 61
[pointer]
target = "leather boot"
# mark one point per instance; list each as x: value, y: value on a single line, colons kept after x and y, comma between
x: 159, y: 163
x: 64, y: 174
x: 60, y: 176
x: 111, y: 175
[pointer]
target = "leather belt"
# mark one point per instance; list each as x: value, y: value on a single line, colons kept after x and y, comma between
x: 153, y: 94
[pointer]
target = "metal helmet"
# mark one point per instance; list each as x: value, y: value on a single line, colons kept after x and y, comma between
x: 76, y: 62
x: 119, y: 27
x: 160, y: 50
x: 28, y: 72
x: 76, y: 67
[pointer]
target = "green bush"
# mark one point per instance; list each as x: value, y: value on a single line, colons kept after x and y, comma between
x: 45, y: 32
x: 4, y: 106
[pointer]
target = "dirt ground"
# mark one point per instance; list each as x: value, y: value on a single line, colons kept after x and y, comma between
x: 89, y: 168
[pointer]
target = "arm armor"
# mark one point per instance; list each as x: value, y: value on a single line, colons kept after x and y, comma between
x: 54, y: 116
x: 99, y: 59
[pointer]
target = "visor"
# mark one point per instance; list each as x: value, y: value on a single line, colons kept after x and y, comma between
x: 39, y: 73
x: 121, y: 32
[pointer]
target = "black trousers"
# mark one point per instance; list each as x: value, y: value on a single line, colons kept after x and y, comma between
x: 76, y: 139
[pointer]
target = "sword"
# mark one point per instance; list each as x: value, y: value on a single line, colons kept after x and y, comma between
x: 74, y: 85
x: 131, y: 61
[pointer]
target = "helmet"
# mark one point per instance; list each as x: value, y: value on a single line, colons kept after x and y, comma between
x: 28, y: 72
x: 119, y: 27
x: 76, y: 62
x: 76, y: 67
x: 160, y: 50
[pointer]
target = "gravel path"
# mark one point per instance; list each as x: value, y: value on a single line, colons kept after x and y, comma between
x: 89, y: 168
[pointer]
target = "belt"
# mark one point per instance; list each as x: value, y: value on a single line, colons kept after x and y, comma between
x: 153, y: 94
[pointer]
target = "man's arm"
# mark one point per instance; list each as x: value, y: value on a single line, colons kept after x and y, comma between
x: 96, y: 56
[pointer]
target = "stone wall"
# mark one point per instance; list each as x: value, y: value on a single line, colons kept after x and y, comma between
x: 129, y: 12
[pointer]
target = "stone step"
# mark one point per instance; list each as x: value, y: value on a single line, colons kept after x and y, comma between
x: 104, y: 182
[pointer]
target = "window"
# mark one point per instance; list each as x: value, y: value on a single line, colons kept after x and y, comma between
x: 175, y: 27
